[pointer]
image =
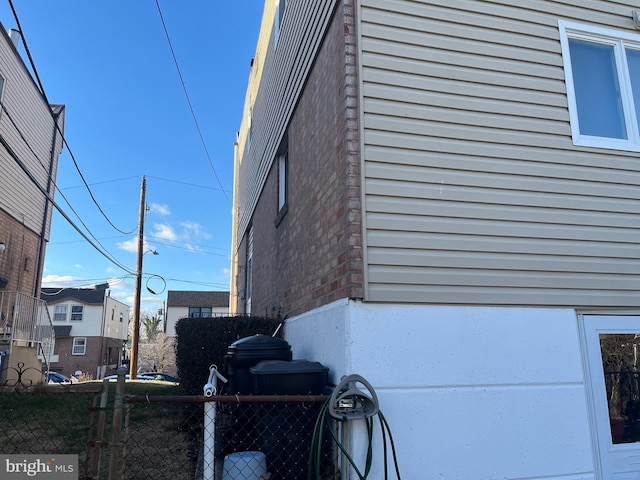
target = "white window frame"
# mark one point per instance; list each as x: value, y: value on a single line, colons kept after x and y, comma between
x: 619, y: 41
x: 79, y: 346
x: 283, y: 173
x: 249, y: 272
x: 81, y: 313
x: 60, y: 311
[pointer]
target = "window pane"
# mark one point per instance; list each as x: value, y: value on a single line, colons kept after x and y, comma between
x: 633, y: 60
x: 76, y: 313
x: 621, y: 362
x: 595, y: 81
x: 60, y: 313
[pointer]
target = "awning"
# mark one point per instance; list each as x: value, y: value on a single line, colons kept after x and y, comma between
x: 62, y: 331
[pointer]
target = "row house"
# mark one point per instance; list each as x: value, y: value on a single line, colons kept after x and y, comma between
x: 91, y: 329
x: 31, y: 141
x: 444, y: 198
x: 193, y: 303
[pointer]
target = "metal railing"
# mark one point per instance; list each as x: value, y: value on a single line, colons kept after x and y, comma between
x: 25, y: 320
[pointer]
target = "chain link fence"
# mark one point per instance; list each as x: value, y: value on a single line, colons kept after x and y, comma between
x: 165, y: 436
x: 187, y: 438
x: 51, y: 420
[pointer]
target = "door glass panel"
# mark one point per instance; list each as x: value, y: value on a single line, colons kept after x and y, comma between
x: 621, y: 365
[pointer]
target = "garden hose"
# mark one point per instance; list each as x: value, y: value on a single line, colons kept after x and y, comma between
x: 359, y: 409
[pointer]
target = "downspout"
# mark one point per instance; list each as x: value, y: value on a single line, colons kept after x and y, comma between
x: 47, y: 206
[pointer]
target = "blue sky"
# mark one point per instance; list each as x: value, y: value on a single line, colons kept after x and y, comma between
x: 127, y: 115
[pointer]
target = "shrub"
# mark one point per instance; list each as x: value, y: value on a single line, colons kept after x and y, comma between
x: 204, y: 341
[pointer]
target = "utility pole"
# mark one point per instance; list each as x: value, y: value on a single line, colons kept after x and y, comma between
x: 135, y: 330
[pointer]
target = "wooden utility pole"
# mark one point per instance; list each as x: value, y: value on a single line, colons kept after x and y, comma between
x: 135, y: 330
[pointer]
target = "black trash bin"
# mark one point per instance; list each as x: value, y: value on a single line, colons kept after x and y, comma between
x: 246, y: 353
x: 284, y: 431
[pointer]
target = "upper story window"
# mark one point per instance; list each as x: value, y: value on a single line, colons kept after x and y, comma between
x: 602, y: 70
x: 76, y: 313
x: 283, y: 174
x: 60, y: 313
x: 199, y: 312
x: 281, y: 7
x: 249, y: 272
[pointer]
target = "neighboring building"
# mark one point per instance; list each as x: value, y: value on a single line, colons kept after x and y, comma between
x: 91, y: 329
x: 183, y: 304
x: 30, y: 143
x: 444, y: 197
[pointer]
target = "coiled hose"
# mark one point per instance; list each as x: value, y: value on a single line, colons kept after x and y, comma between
x: 314, y: 470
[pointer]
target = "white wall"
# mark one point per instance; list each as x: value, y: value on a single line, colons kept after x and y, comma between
x: 176, y: 313
x: 469, y: 393
x: 91, y: 324
x: 114, y: 312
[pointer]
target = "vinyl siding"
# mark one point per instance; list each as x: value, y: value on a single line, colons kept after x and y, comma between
x: 473, y: 190
x: 30, y: 136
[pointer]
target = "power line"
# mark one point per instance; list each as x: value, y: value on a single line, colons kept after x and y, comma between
x: 26, y: 142
x: 185, y: 183
x: 64, y: 140
x: 24, y: 168
x: 186, y: 93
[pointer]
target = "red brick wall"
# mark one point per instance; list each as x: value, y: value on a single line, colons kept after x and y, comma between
x: 68, y: 364
x: 18, y: 261
x: 313, y: 256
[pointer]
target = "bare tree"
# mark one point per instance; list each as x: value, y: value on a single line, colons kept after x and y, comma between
x: 157, y: 355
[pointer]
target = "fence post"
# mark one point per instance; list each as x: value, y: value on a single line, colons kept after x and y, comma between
x: 117, y: 424
x: 100, y: 428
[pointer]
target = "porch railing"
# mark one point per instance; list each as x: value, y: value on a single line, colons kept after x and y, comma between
x: 25, y: 320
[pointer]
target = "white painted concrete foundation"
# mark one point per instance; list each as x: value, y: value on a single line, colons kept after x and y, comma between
x: 469, y: 393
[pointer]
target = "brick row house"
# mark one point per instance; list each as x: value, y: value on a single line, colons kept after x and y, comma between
x: 91, y: 330
x: 30, y: 144
x: 443, y: 197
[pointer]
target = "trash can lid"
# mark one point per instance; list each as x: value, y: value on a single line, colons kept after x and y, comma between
x: 271, y: 367
x: 259, y: 342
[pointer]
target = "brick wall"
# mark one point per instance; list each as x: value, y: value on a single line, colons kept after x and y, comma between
x: 18, y: 261
x: 312, y: 255
x: 68, y: 364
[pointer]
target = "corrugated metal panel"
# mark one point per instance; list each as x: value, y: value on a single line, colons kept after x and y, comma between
x: 473, y: 190
x: 285, y: 67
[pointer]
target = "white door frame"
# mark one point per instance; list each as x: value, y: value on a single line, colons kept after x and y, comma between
x: 603, y: 449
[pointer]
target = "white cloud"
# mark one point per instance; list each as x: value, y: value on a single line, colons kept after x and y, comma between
x: 165, y: 232
x: 53, y: 281
x: 159, y: 209
x: 130, y: 245
x: 194, y: 230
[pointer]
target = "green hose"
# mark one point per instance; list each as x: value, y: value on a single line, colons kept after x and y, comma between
x: 315, y: 454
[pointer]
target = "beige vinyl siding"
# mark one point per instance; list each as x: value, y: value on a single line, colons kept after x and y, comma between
x: 473, y: 190
x: 30, y: 139
x: 283, y: 70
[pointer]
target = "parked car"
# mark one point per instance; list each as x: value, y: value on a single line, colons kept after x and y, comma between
x: 55, y: 377
x: 113, y: 378
x: 163, y: 377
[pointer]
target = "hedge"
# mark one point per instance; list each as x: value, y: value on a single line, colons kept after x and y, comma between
x: 203, y: 341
